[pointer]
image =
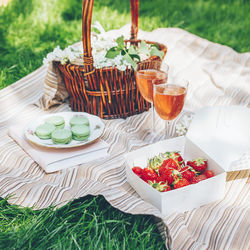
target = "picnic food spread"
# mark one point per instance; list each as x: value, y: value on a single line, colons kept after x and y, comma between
x: 212, y: 219
x: 164, y: 172
x: 168, y: 171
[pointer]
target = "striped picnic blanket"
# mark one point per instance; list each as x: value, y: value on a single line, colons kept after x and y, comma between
x: 218, y: 76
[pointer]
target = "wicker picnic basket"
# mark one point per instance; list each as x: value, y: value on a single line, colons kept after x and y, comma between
x: 106, y: 92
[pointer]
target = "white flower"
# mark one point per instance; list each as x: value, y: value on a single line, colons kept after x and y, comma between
x: 58, y: 53
x: 118, y: 60
x: 99, y: 59
x: 100, y: 44
x: 126, y: 63
x: 143, y: 57
x: 64, y: 56
x: 183, y: 125
x: 121, y: 67
x: 50, y: 57
x: 53, y: 56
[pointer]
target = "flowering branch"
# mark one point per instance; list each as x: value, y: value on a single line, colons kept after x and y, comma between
x: 106, y: 52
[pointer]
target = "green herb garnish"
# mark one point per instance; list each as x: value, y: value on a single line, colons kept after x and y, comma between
x: 132, y: 54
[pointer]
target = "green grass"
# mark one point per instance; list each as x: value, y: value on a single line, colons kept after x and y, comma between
x: 29, y: 29
x: 87, y: 223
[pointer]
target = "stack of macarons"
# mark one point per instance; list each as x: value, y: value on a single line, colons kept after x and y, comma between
x: 53, y: 128
x: 80, y: 128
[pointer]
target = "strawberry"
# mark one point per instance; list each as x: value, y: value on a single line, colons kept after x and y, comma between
x: 188, y: 173
x: 158, y: 160
x: 170, y: 175
x: 177, y: 157
x: 181, y: 183
x: 137, y: 170
x: 168, y: 188
x: 160, y: 186
x: 169, y: 163
x: 198, y: 164
x: 148, y: 174
x: 209, y: 173
x: 161, y: 179
x: 155, y: 162
x: 198, y: 178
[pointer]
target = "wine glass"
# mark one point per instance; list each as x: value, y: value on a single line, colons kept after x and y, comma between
x: 169, y: 98
x: 144, y: 82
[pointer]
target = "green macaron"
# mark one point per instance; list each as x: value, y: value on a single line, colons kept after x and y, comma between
x: 45, y: 130
x: 80, y: 132
x: 79, y: 120
x: 61, y: 136
x: 58, y: 121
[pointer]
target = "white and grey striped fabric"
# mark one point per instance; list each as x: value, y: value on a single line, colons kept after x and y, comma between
x: 218, y: 76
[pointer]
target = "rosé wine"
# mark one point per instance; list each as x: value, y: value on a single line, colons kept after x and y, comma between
x: 144, y: 81
x: 169, y: 100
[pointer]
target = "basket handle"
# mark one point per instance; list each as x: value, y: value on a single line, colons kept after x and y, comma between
x: 87, y: 8
x: 134, y: 4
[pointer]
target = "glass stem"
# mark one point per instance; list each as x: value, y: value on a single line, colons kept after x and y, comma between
x: 153, y: 118
x: 167, y: 129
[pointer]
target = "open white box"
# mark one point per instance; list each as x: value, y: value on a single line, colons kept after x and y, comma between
x: 197, y: 143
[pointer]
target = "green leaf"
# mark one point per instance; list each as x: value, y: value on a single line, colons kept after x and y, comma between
x: 143, y: 48
x: 133, y: 56
x: 112, y: 53
x: 133, y: 53
x: 128, y: 59
x: 154, y: 45
x: 124, y: 51
x: 156, y: 52
x: 120, y: 43
x: 132, y: 50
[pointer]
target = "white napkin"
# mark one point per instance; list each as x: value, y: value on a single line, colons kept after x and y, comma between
x: 223, y: 132
x: 52, y: 160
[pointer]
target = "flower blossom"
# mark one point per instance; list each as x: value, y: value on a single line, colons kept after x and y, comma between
x: 183, y: 125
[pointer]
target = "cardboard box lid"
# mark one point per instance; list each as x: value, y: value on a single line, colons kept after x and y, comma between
x: 223, y: 132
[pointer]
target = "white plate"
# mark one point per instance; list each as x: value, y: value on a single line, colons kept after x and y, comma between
x: 96, y: 130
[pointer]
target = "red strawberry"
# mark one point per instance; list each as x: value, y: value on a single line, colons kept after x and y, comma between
x: 160, y: 186
x: 198, y: 164
x: 137, y: 170
x: 181, y: 183
x: 188, y: 173
x: 198, y: 178
x: 170, y: 175
x: 168, y: 188
x: 169, y: 163
x: 161, y: 179
x: 178, y: 158
x: 148, y: 174
x: 209, y: 173
x: 167, y: 176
